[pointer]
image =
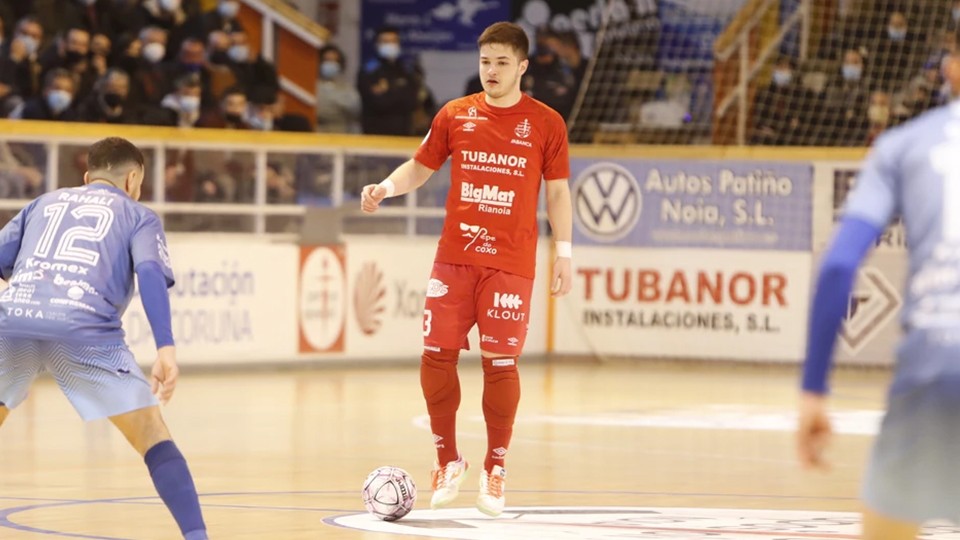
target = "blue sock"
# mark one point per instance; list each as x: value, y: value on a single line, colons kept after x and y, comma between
x: 175, y: 486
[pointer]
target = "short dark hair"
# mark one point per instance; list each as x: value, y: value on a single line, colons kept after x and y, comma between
x: 341, y: 58
x: 57, y: 73
x: 187, y: 80
x: 509, y: 34
x: 233, y: 91
x: 112, y: 152
x: 386, y: 30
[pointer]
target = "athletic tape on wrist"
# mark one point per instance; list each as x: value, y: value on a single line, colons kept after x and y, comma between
x: 565, y: 249
x: 389, y: 186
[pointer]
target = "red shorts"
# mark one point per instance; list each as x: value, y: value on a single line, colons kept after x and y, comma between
x: 459, y: 296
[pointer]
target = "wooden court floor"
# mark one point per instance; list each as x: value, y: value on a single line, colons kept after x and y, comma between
x: 282, y: 454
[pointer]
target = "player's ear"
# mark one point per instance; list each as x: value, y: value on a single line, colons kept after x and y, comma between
x: 86, y: 178
x: 524, y: 65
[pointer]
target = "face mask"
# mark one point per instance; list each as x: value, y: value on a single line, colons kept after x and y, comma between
x: 219, y: 57
x: 192, y: 68
x: 852, y: 72
x: 29, y: 44
x: 388, y: 51
x: 239, y: 53
x: 233, y: 118
x: 190, y: 104
x: 170, y: 5
x: 878, y: 114
x: 154, y: 52
x: 229, y: 10
x: 955, y: 13
x: 72, y: 57
x: 329, y: 69
x: 112, y: 99
x: 782, y: 78
x: 896, y: 34
x: 258, y: 122
x: 58, y: 100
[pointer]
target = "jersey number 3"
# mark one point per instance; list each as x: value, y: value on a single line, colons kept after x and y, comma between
x: 66, y: 249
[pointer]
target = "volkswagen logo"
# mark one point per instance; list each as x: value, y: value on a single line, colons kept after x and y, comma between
x: 607, y: 201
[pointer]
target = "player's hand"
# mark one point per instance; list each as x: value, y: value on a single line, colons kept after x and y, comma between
x: 813, y: 431
x: 562, y: 280
x: 163, y: 376
x: 371, y: 197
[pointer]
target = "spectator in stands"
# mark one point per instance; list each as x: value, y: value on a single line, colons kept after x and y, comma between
x: 878, y: 115
x: 127, y: 54
x: 70, y: 51
x: 218, y: 63
x: 182, y: 106
x: 125, y: 18
x: 338, y: 103
x: 547, y: 79
x: 280, y: 188
x: 567, y: 46
x: 953, y: 21
x: 895, y: 54
x: 268, y: 112
x: 107, y: 103
x: 426, y: 107
x: 19, y: 177
x: 91, y: 15
x: 919, y: 94
x: 218, y: 45
x: 192, y: 58
x: 19, y: 69
x: 782, y: 110
x: 59, y: 89
x: 251, y: 71
x: 223, y: 19
x: 846, y: 96
x: 388, y: 89
x: 171, y: 15
x: 100, y: 51
x: 150, y: 81
x: 232, y: 113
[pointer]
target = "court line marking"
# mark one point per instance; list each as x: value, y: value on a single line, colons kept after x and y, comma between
x: 7, y: 523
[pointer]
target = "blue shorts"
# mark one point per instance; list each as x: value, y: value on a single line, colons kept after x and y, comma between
x: 99, y: 381
x: 914, y: 470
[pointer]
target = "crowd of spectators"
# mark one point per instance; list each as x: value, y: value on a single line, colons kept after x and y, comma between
x: 871, y: 73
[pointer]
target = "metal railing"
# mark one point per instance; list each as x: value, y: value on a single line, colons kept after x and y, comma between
x: 740, y: 39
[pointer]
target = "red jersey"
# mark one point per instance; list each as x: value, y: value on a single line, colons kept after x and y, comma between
x: 500, y: 155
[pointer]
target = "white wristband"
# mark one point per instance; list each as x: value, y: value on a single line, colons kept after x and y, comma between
x: 389, y: 186
x: 565, y: 250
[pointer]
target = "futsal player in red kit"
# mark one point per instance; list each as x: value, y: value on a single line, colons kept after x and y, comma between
x: 503, y: 144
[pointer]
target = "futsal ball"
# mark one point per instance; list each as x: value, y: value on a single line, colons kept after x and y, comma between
x: 389, y: 493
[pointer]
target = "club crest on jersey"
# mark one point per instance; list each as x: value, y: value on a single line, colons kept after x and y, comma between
x: 523, y: 129
x: 471, y: 115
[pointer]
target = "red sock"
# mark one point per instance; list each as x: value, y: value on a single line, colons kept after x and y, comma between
x: 501, y: 396
x: 441, y: 390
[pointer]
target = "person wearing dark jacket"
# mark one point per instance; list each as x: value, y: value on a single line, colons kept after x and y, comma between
x: 223, y: 18
x: 388, y: 89
x: 252, y: 72
x: 108, y: 102
x: 55, y: 102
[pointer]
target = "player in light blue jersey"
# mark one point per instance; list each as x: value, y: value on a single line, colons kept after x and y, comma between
x: 69, y: 258
x: 913, y: 171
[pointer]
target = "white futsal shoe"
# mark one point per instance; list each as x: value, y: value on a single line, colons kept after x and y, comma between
x: 491, y: 499
x: 446, y: 482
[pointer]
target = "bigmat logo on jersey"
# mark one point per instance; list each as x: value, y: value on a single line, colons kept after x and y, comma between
x: 707, y: 204
x: 686, y: 303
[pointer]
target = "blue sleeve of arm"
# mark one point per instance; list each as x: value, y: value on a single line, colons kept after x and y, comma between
x: 156, y: 301
x: 834, y: 285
